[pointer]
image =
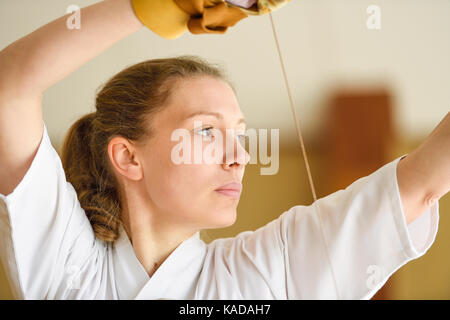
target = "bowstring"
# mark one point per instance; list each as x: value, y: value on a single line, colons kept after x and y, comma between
x: 299, y: 134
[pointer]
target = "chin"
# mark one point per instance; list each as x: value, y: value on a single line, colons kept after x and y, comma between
x: 223, y: 219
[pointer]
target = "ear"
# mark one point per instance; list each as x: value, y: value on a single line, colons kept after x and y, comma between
x: 122, y: 154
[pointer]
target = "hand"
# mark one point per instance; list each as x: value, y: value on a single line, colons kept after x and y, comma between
x: 258, y: 7
x: 424, y: 174
x: 242, y: 3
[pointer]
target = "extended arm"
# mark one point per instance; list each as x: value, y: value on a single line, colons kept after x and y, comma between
x: 424, y: 175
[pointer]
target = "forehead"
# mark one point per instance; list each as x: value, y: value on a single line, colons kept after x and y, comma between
x: 196, y: 96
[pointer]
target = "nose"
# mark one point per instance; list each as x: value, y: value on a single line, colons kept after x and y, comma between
x: 235, y: 153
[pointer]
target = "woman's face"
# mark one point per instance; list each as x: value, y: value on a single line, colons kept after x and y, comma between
x: 185, y: 193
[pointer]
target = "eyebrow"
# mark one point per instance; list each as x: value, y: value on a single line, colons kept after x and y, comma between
x: 211, y: 113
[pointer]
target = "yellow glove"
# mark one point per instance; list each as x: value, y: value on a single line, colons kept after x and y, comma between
x: 171, y: 18
x: 163, y: 17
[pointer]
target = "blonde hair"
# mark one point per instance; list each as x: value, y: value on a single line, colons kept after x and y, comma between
x: 124, y: 105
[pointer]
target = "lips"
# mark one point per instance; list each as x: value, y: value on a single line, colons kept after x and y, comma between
x: 231, y: 189
x: 235, y: 186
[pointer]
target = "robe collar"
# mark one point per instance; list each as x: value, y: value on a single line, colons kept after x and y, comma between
x: 175, y: 278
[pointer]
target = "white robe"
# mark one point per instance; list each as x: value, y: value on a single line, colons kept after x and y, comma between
x: 49, y: 251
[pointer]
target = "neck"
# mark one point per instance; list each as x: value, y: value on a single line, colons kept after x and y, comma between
x: 153, y: 238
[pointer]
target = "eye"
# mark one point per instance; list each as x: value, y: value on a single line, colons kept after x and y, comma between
x: 207, y: 132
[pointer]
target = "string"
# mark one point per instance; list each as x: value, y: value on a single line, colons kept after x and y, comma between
x: 299, y: 134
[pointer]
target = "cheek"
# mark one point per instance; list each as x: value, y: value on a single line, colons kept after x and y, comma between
x: 190, y: 183
x: 183, y: 182
x: 179, y: 187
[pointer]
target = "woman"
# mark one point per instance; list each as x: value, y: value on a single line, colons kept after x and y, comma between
x: 118, y: 219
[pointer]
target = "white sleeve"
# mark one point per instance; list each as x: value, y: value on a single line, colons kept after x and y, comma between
x: 46, y: 241
x: 364, y: 240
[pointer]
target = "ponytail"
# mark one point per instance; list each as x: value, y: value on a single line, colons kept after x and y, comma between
x: 94, y: 185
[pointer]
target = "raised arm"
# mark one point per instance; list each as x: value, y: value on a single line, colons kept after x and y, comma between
x: 36, y: 62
